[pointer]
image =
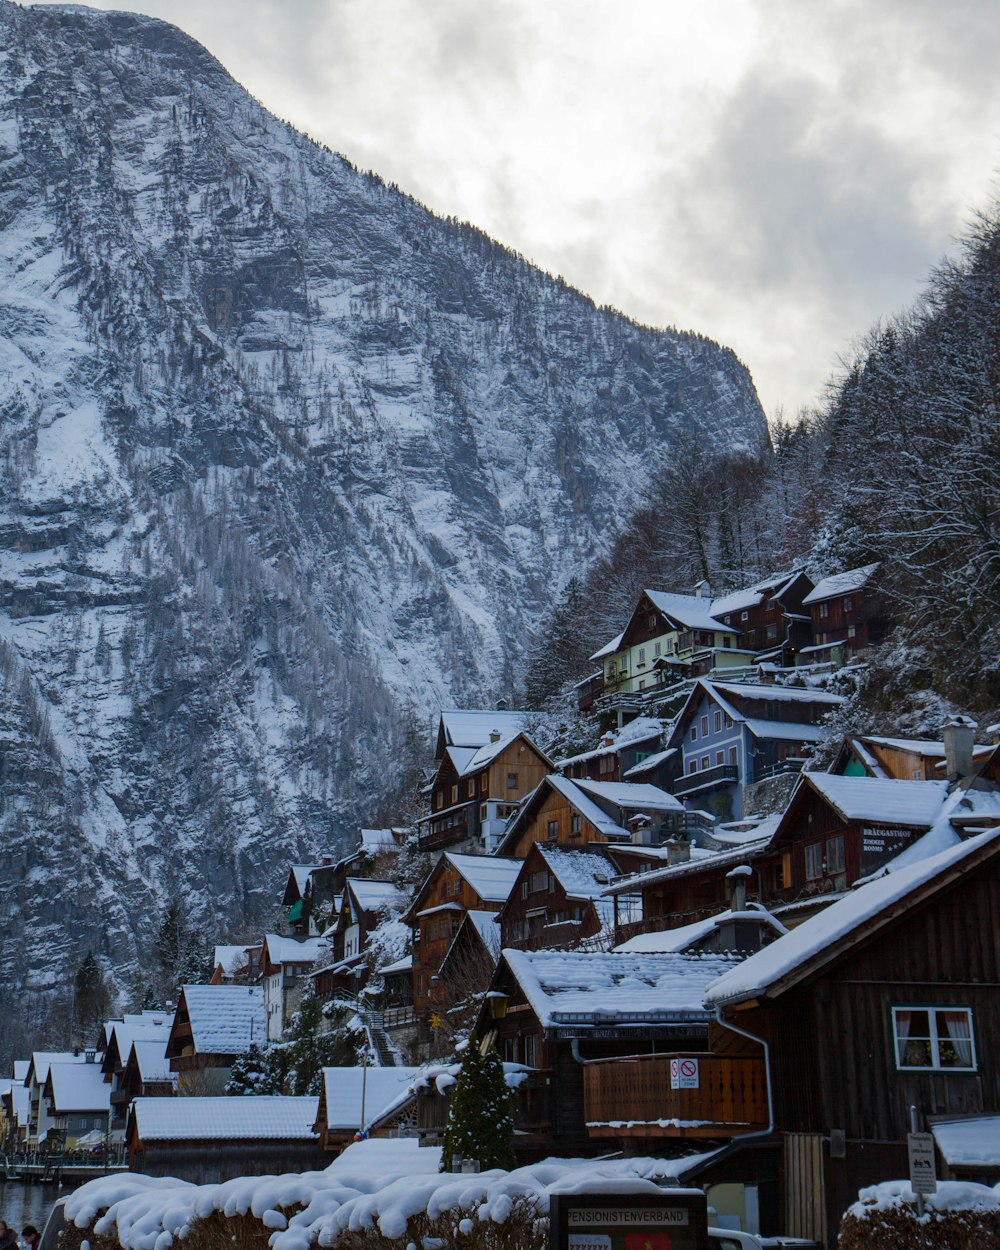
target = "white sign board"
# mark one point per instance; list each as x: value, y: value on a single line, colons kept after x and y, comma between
x: 923, y: 1172
x: 683, y: 1073
x: 589, y: 1241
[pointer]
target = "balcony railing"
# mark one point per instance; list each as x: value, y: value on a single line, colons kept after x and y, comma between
x: 635, y: 1097
x: 721, y: 774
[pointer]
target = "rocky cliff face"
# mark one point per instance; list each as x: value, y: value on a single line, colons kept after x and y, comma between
x: 287, y: 462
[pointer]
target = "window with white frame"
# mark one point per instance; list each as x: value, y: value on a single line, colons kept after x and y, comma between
x: 934, y: 1039
x: 835, y: 855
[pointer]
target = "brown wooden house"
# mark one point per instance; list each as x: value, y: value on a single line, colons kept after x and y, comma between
x: 379, y: 1101
x: 556, y: 1012
x: 617, y: 752
x: 457, y: 884
x: 886, y: 1000
x: 557, y: 901
x: 486, y: 766
x: 774, y: 621
x: 576, y: 813
x: 849, y: 614
x: 212, y: 1025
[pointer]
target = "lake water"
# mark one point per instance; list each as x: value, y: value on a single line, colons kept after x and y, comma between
x: 22, y: 1204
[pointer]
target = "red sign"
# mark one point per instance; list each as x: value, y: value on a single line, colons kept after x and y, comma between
x: 648, y: 1241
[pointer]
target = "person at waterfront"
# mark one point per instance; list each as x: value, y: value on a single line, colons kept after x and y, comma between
x: 8, y: 1238
x: 30, y: 1236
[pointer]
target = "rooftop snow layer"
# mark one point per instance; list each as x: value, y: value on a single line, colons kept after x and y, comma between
x: 78, y: 1087
x: 969, y: 1143
x: 699, y: 861
x: 231, y: 959
x: 42, y: 1059
x: 247, y: 1118
x: 372, y: 895
x: 649, y: 763
x: 690, y: 611
x: 582, y: 873
x: 380, y: 1088
x: 153, y: 1065
x: 582, y: 988
x: 491, y: 876
x: 637, y: 730
x: 609, y: 648
x: 776, y: 694
x: 751, y: 596
x: 631, y: 794
x: 821, y: 932
x: 225, y: 1019
x: 677, y: 940
x: 289, y: 950
x: 841, y: 583
x: 585, y: 805
x: 882, y: 799
x: 472, y: 728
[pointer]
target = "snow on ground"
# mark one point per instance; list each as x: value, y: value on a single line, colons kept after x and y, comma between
x: 382, y: 1182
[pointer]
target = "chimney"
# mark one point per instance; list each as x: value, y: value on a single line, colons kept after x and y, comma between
x: 90, y: 1056
x: 678, y: 850
x: 494, y: 735
x: 737, y: 879
x: 959, y: 736
x: 703, y: 590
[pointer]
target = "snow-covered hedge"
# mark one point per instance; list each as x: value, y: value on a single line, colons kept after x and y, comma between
x: 377, y: 1194
x: 960, y: 1216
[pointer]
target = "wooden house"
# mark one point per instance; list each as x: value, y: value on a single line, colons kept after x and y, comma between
x: 731, y: 735
x: 361, y: 908
x: 558, y: 898
x: 774, y: 621
x: 147, y: 1027
x: 907, y: 759
x: 849, y: 614
x: 617, y: 752
x: 668, y: 638
x: 575, y: 813
x: 885, y: 1001
x: 285, y: 964
x: 297, y: 898
x: 486, y: 766
x: 211, y: 1026
x: 78, y: 1102
x: 230, y: 965
x: 208, y: 1140
x: 16, y: 1109
x: 146, y: 1074
x: 556, y: 1012
x: 376, y: 1101
x: 455, y: 885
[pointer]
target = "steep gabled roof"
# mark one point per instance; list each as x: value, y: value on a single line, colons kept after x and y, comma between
x: 841, y: 584
x: 880, y: 799
x: 688, y: 611
x: 248, y: 1118
x: 225, y: 1019
x: 751, y: 596
x: 491, y: 876
x: 819, y: 940
x: 461, y: 727
x: 353, y: 1097
x: 77, y: 1087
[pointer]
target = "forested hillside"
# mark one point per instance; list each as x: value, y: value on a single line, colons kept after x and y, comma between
x: 900, y: 462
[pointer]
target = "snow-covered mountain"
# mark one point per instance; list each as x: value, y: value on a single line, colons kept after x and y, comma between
x: 287, y: 463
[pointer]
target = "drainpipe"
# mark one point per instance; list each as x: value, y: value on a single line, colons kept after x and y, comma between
x: 735, y: 1028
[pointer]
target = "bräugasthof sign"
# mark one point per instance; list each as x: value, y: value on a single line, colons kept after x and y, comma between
x: 610, y: 1216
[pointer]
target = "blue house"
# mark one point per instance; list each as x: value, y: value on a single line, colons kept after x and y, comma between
x: 731, y: 734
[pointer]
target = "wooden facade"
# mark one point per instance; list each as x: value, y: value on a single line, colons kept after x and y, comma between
x: 543, y: 913
x: 470, y: 808
x: 771, y: 616
x: 835, y: 1064
x: 849, y: 619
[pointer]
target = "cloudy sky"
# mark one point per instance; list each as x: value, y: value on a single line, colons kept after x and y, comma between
x: 777, y: 174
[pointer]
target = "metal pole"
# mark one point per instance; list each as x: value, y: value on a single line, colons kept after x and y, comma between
x: 364, y: 1087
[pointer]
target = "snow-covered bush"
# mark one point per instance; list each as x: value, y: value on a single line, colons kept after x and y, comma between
x: 960, y: 1216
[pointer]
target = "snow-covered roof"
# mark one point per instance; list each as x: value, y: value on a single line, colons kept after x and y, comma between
x: 399, y: 965
x: 631, y: 795
x: 225, y: 1019
x: 231, y: 959
x: 690, y: 611
x: 785, y: 730
x: 20, y: 1070
x: 881, y: 799
x: 841, y: 584
x: 246, y: 1118
x: 491, y: 876
x: 740, y: 832
x: 374, y: 841
x: 682, y: 939
x: 78, y: 1087
x: 820, y: 934
x: 571, y: 987
x: 300, y: 874
x: 701, y: 858
x: 472, y: 727
x: 486, y: 926
x: 42, y: 1059
x: 582, y: 872
x: 488, y: 752
x: 972, y: 1143
x: 290, y: 950
x: 373, y: 895
x: 751, y: 596
x: 928, y: 748
x: 585, y: 805
x: 649, y: 763
x: 776, y: 694
x: 151, y: 1060
x: 609, y: 648
x: 381, y: 1088
x: 637, y: 730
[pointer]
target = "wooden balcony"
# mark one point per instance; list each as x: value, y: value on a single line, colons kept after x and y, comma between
x: 625, y: 1098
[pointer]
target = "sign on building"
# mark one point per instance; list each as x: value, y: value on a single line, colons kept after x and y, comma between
x: 684, y: 1073
x: 672, y: 1219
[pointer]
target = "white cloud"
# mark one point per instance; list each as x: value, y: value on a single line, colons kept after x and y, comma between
x: 773, y: 173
